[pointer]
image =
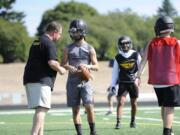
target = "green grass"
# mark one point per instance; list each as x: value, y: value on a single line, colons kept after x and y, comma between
x: 59, y: 122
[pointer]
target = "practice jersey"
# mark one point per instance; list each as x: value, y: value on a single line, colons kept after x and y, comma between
x: 164, y: 61
x: 78, y: 55
x: 125, y: 67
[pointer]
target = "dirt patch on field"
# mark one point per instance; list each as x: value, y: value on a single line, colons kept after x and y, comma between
x: 12, y: 89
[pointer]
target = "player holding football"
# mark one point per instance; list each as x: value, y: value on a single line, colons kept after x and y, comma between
x: 163, y: 56
x: 124, y: 72
x: 79, y: 53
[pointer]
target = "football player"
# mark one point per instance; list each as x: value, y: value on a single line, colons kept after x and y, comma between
x: 163, y: 56
x: 80, y: 53
x: 124, y: 72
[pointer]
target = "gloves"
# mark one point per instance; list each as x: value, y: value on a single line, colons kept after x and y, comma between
x: 113, y: 89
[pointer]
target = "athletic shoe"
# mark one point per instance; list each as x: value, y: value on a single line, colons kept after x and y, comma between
x: 132, y: 125
x: 118, y: 126
x: 93, y: 133
x: 169, y: 133
x: 108, y: 113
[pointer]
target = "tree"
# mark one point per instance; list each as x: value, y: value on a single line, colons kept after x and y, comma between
x: 103, y: 30
x: 14, y: 41
x: 167, y: 9
x: 66, y: 11
x: 7, y: 13
x: 14, y: 38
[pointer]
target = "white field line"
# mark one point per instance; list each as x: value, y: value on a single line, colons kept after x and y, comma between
x: 68, y: 110
x: 99, y: 111
x: 1, y: 122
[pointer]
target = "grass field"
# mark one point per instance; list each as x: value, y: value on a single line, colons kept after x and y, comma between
x: 59, y: 122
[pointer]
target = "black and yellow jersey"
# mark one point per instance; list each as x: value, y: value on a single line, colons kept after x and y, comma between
x: 127, y: 67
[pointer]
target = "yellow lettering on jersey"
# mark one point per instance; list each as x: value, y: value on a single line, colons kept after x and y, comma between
x: 127, y: 64
x: 36, y: 42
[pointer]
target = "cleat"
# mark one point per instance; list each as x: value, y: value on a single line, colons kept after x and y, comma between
x: 132, y: 125
x: 108, y: 113
x: 169, y: 133
x: 118, y: 126
x: 93, y: 133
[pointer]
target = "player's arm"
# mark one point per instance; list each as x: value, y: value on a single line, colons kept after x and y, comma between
x: 178, y: 51
x: 94, y: 62
x: 65, y: 63
x: 56, y: 66
x: 115, y: 74
x: 139, y: 60
x: 143, y: 62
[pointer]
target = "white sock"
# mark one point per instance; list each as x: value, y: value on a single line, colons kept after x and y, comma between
x: 111, y: 109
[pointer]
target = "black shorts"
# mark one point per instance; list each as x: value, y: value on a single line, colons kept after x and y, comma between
x: 168, y: 96
x: 125, y: 88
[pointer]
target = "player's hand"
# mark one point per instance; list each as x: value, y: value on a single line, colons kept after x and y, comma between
x: 86, y: 66
x: 137, y: 81
x: 111, y: 89
x: 73, y: 69
x: 62, y: 70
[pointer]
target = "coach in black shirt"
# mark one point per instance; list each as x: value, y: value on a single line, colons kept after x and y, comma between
x: 40, y: 73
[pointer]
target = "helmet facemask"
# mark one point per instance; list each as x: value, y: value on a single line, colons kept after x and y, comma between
x: 124, y: 44
x: 77, y: 30
x: 75, y: 34
x: 125, y: 47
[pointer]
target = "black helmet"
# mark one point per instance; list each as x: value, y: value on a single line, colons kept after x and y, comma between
x: 124, y: 43
x: 77, y: 25
x: 163, y: 24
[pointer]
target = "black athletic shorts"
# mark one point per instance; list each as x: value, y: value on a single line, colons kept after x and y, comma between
x: 168, y: 96
x: 125, y: 88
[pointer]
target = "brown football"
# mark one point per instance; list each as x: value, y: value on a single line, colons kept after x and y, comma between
x: 85, y: 73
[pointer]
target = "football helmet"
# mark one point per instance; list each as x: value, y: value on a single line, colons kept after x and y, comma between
x: 77, y: 29
x: 163, y: 24
x: 124, y: 43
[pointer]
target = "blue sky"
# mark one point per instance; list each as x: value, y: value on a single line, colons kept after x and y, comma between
x: 34, y: 9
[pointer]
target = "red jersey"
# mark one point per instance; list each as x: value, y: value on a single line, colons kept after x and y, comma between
x: 164, y: 61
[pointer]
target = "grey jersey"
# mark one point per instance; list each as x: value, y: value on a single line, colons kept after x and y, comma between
x: 78, y: 55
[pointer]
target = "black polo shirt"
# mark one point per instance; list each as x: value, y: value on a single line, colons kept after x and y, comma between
x: 37, y: 69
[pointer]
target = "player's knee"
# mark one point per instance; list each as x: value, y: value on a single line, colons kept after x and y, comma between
x: 121, y: 103
x: 88, y: 106
x: 76, y: 110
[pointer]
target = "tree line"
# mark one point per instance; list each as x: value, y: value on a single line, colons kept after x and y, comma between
x: 103, y: 29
